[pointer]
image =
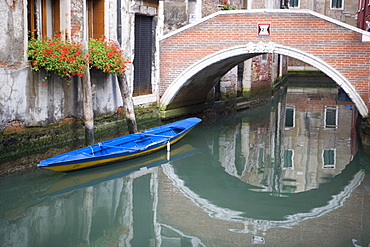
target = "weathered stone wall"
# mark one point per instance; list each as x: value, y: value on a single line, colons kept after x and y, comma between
x: 39, y: 98
x: 12, y: 35
x: 39, y: 111
x: 77, y: 24
x: 178, y: 13
x: 27, y: 97
x: 209, y: 7
x: 175, y: 15
x: 23, y: 147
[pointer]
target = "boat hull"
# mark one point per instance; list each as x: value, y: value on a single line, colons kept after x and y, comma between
x: 94, y: 161
x: 77, y: 180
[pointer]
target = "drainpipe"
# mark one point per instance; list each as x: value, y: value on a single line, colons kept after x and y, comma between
x: 119, y: 22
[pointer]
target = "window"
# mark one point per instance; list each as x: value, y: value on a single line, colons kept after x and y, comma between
x: 49, y: 21
x: 331, y: 117
x: 32, y: 25
x: 151, y: 3
x: 95, y: 9
x: 261, y: 158
x: 328, y: 158
x: 294, y: 3
x: 336, y: 4
x: 289, y: 117
x: 288, y: 158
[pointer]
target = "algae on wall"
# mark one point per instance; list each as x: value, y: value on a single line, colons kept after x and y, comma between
x: 23, y: 147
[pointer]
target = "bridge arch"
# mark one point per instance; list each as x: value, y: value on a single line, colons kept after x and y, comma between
x: 222, y: 61
x: 206, y: 50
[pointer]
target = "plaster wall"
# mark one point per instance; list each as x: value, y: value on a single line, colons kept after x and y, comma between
x: 28, y: 98
x: 12, y: 36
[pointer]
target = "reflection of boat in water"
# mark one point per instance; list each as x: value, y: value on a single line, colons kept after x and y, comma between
x: 85, y: 178
x: 121, y: 148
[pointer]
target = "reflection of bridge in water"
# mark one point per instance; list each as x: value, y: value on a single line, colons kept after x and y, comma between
x: 235, y: 174
x: 244, y: 174
x: 240, y: 204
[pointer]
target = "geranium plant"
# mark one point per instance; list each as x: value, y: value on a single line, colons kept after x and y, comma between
x: 107, y: 56
x: 226, y: 5
x: 64, y: 58
x: 67, y: 59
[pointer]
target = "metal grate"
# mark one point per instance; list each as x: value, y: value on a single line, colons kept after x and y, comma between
x: 143, y: 55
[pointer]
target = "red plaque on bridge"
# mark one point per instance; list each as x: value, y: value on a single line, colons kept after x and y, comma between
x: 264, y: 29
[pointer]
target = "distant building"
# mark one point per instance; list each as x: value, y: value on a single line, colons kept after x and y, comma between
x: 341, y: 10
x: 363, y: 15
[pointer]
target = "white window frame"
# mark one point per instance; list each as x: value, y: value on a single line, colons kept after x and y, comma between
x: 293, y: 108
x: 331, y: 107
x: 295, y: 7
x: 331, y: 4
x: 329, y: 166
x: 292, y: 160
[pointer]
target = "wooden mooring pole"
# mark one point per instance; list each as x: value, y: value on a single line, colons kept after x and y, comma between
x: 127, y: 103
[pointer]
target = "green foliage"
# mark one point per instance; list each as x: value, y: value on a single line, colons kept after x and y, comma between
x: 107, y: 56
x: 227, y: 6
x: 67, y: 59
x: 64, y: 58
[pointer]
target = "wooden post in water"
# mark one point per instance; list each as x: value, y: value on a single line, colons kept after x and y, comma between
x: 87, y: 105
x: 127, y: 103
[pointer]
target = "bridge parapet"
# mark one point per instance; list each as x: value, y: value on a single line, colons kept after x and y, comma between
x: 365, y: 35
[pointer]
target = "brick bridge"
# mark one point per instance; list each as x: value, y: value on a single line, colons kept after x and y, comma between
x: 195, y: 57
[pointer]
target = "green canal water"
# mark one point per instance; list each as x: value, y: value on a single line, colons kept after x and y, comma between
x: 288, y: 173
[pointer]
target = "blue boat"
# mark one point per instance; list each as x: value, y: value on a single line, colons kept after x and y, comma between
x: 121, y: 148
x: 90, y: 177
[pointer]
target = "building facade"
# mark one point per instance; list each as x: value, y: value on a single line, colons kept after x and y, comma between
x: 26, y: 96
x: 345, y: 11
x: 363, y: 15
x: 37, y: 98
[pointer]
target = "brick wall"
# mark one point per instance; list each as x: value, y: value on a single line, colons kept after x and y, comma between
x: 338, y: 46
x: 76, y: 20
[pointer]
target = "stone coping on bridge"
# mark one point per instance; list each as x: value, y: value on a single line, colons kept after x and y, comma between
x: 365, y: 35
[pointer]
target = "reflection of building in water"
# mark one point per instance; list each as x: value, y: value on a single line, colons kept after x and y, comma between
x: 316, y: 142
x: 306, y: 142
x: 88, y: 215
x: 121, y: 210
x: 292, y: 147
